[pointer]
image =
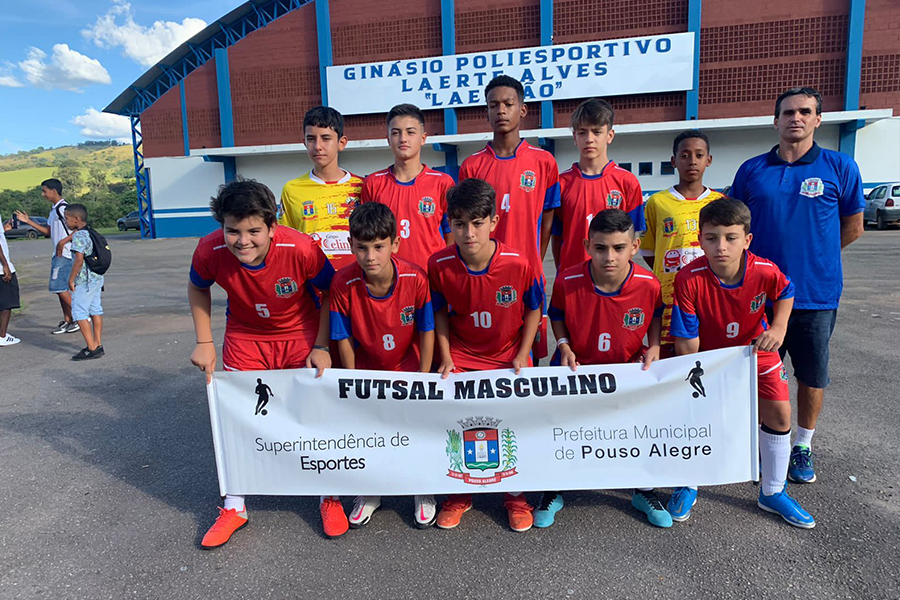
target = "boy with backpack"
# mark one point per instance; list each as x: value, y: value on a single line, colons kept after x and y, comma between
x: 91, y: 257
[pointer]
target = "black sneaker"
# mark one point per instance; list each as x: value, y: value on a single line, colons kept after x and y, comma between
x: 85, y: 354
x: 61, y: 328
x: 99, y: 352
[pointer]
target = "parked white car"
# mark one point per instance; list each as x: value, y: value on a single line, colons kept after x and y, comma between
x: 883, y: 205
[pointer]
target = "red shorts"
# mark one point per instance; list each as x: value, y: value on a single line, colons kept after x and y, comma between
x: 251, y: 355
x: 772, y: 378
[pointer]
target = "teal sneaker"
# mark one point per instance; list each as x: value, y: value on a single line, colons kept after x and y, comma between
x: 680, y: 504
x: 789, y: 509
x: 551, y: 503
x: 649, y: 504
x: 800, y: 469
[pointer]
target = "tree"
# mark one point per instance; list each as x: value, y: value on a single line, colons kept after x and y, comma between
x: 70, y: 177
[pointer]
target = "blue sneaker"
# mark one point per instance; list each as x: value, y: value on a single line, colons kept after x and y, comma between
x: 649, y: 504
x: 680, y: 504
x: 801, y: 465
x: 551, y: 503
x: 789, y: 509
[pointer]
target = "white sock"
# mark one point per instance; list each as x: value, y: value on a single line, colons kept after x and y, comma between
x: 775, y: 449
x: 804, y: 437
x: 514, y: 494
x: 235, y: 502
x: 644, y: 489
x: 322, y: 498
x: 693, y: 487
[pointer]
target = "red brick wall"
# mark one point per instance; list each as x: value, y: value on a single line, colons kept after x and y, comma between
x: 881, y: 56
x: 202, y: 99
x: 275, y: 80
x: 161, y: 126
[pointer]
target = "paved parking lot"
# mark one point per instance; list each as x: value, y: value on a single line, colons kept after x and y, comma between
x: 108, y: 479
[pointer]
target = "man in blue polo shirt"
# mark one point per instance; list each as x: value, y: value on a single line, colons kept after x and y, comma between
x: 807, y: 205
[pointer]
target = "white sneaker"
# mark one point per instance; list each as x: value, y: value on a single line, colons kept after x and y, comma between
x: 426, y: 511
x: 363, y: 507
x: 9, y: 340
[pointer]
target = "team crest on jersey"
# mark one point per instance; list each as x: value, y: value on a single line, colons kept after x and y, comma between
x: 758, y: 302
x: 669, y: 227
x: 506, y: 296
x: 528, y: 181
x: 614, y: 199
x: 634, y: 318
x: 812, y: 187
x: 482, y: 447
x: 286, y: 287
x: 408, y: 315
x: 309, y: 209
x: 426, y: 206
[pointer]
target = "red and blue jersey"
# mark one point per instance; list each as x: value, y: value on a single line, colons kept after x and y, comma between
x: 420, y: 207
x: 274, y: 301
x: 723, y: 315
x: 486, y: 308
x: 527, y: 184
x: 606, y: 328
x: 385, y: 329
x: 583, y: 196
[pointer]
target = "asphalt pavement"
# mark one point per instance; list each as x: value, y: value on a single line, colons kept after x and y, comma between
x: 108, y: 481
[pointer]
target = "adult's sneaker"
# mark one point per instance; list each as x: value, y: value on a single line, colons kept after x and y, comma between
x: 363, y: 507
x: 649, y: 504
x: 99, y: 351
x: 680, y: 504
x: 800, y: 468
x: 73, y: 327
x: 85, y: 354
x: 426, y: 511
x: 519, y: 512
x: 452, y: 510
x: 61, y: 328
x: 226, y: 524
x: 551, y: 503
x: 9, y: 340
x: 789, y: 509
x: 334, y: 521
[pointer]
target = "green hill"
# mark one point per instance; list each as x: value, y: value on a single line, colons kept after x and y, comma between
x: 26, y: 169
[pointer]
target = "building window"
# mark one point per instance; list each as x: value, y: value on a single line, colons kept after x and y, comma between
x: 666, y: 168
x: 626, y: 166
x: 645, y: 168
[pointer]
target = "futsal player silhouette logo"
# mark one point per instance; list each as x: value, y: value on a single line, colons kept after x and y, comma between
x: 262, y: 392
x: 694, y: 377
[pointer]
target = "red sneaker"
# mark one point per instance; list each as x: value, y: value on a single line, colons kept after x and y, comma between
x: 334, y: 521
x: 519, y: 511
x: 226, y: 524
x: 453, y: 509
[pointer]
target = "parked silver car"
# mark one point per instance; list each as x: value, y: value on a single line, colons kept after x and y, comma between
x: 883, y: 205
x: 130, y: 221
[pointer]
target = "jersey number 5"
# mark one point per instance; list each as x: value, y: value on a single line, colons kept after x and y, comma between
x: 262, y: 311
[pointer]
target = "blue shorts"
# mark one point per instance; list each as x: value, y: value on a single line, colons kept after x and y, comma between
x: 60, y: 269
x: 86, y: 301
x: 806, y: 340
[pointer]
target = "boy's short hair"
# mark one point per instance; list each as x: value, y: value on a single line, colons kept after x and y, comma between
x: 505, y: 81
x: 372, y: 221
x: 244, y: 198
x: 611, y: 220
x: 593, y: 111
x: 689, y: 134
x: 799, y: 91
x: 406, y: 110
x: 77, y: 210
x: 326, y: 117
x: 725, y: 212
x: 53, y: 184
x: 472, y: 199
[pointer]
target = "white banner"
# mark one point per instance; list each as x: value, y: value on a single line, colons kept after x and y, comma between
x: 688, y: 420
x: 640, y: 65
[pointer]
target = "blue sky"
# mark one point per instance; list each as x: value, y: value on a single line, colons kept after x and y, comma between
x: 63, y: 61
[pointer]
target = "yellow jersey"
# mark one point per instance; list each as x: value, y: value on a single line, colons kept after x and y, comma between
x: 673, y: 240
x: 322, y: 209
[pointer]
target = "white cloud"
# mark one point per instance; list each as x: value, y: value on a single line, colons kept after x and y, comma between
x: 10, y: 81
x: 66, y: 69
x: 142, y: 44
x: 103, y: 126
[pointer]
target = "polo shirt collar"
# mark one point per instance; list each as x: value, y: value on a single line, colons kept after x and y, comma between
x: 810, y: 157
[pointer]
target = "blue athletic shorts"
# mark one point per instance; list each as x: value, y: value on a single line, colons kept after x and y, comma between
x: 806, y: 340
x: 60, y: 269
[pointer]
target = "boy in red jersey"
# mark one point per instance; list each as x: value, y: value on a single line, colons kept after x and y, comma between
x: 487, y: 302
x: 273, y: 322
x: 593, y: 184
x: 377, y: 306
x: 525, y: 180
x: 415, y: 194
x: 720, y: 302
x: 600, y: 311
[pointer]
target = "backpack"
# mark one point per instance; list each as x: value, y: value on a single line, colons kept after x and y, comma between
x: 100, y: 257
x: 61, y: 218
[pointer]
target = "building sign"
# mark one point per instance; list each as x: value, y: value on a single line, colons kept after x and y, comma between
x: 640, y: 65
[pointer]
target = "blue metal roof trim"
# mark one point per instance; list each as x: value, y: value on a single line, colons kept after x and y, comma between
x: 191, y: 55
